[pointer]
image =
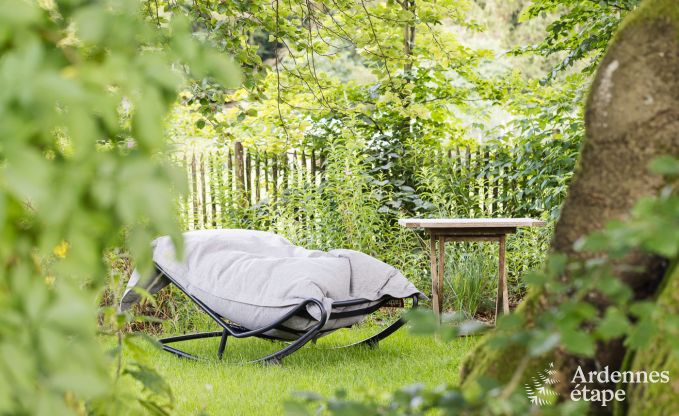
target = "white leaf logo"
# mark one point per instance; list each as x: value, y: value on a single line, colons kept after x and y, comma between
x: 539, y: 391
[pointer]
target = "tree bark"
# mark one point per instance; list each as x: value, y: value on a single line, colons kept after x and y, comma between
x: 632, y: 117
x: 656, y: 398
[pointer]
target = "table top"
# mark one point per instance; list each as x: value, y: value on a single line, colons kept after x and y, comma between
x: 454, y: 223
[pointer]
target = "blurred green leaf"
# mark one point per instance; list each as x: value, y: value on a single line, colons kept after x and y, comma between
x: 665, y: 165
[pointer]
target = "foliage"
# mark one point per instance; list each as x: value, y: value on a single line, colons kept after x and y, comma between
x: 545, y: 140
x: 84, y: 88
x: 573, y: 325
x: 153, y: 394
x: 581, y: 31
x: 418, y: 79
x: 424, y: 85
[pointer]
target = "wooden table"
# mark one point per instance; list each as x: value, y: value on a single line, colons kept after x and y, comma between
x: 466, y: 229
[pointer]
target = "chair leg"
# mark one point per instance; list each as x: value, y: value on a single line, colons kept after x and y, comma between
x: 278, y: 356
x: 186, y: 337
x: 374, y: 341
x: 222, y: 344
x: 180, y: 353
x: 274, y: 358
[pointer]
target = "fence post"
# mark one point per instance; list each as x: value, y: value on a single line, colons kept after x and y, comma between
x: 214, y: 187
x: 274, y: 176
x: 496, y: 184
x: 295, y: 172
x: 189, y: 202
x: 285, y: 168
x: 313, y: 166
x: 194, y: 192
x: 257, y: 192
x: 240, y: 172
x: 321, y: 165
x: 204, y: 183
x: 266, y: 176
x: 229, y: 179
x: 305, y: 176
x: 220, y: 185
x: 487, y: 187
x: 470, y: 181
x: 248, y: 177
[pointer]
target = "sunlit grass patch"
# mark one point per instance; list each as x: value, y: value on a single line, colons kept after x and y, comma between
x: 231, y: 387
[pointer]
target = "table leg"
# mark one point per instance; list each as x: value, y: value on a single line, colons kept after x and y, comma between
x: 435, y: 300
x: 442, y: 270
x: 502, y: 290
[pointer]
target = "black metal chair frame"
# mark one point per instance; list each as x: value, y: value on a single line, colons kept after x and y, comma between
x: 237, y: 331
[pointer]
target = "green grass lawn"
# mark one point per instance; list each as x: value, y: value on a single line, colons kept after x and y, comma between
x: 230, y: 387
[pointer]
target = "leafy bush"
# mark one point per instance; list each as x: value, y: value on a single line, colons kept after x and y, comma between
x: 84, y: 89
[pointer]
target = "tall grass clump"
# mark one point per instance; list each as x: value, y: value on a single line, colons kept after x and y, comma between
x: 470, y: 280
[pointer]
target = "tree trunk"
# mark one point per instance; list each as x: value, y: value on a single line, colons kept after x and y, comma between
x: 657, y: 398
x: 632, y: 117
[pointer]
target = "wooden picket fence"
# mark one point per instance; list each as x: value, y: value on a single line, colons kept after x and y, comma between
x: 221, y: 178
x: 482, y: 192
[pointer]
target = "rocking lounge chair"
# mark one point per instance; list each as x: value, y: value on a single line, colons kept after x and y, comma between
x: 257, y: 284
